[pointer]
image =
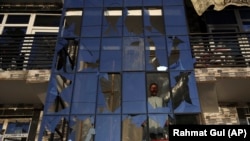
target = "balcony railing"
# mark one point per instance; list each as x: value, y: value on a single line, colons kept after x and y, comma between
x: 221, y: 49
x: 27, y: 52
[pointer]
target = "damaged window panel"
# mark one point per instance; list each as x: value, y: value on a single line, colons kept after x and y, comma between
x: 85, y: 90
x: 133, y: 54
x: 112, y: 22
x: 89, y: 55
x: 82, y: 128
x: 156, y: 127
x: 109, y: 98
x: 111, y: 55
x: 158, y: 92
x: 184, y: 98
x: 59, y: 94
x: 72, y: 23
x: 67, y: 55
x: 132, y: 127
x: 156, y: 54
x: 56, y: 128
x: 153, y: 21
x: 133, y: 22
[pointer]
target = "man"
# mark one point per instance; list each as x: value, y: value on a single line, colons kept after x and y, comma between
x: 154, y: 100
x: 155, y: 129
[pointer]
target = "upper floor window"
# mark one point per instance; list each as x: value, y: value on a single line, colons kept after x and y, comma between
x: 42, y: 20
x: 18, y: 19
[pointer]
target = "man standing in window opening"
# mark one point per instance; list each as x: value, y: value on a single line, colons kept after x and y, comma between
x: 156, y: 131
x: 154, y: 100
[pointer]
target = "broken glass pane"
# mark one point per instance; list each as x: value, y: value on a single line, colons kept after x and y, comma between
x: 112, y: 22
x: 156, y: 54
x: 153, y: 21
x: 89, y: 54
x: 110, y: 98
x: 133, y: 22
x: 72, y: 23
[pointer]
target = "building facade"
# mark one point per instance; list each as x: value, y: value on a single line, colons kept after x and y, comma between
x: 85, y: 69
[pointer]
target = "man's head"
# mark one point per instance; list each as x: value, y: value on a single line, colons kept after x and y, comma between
x: 153, y: 88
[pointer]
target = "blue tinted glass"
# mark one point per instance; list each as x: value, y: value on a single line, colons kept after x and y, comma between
x: 108, y: 128
x: 91, y: 25
x: 73, y: 3
x: 133, y: 54
x: 93, y: 3
x: 152, y: 2
x: 134, y: 92
x: 132, y: 2
x: 113, y: 3
x: 112, y: 22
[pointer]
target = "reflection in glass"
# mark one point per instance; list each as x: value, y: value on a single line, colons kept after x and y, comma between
x: 111, y: 90
x: 133, y: 54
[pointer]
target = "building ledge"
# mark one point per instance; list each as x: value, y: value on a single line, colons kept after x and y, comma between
x: 211, y: 74
x: 31, y: 76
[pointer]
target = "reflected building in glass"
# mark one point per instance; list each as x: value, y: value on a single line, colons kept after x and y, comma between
x: 108, y: 54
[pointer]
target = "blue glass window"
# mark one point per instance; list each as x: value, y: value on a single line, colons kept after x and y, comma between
x: 108, y: 127
x: 111, y: 54
x: 109, y: 95
x: 133, y: 92
x: 91, y: 24
x: 133, y: 54
x: 84, y: 97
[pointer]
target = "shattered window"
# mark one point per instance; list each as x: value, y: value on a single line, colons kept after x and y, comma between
x: 112, y: 22
x: 133, y: 22
x: 72, y: 23
x: 153, y: 21
x: 89, y: 55
x: 82, y: 128
x: 156, y: 54
x: 158, y: 93
x: 109, y: 98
